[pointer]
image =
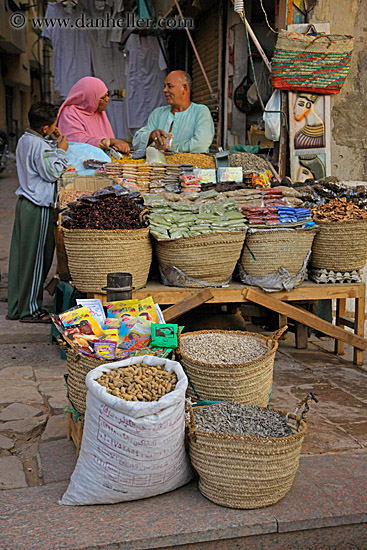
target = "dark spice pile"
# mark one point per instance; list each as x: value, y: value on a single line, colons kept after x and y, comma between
x: 338, y: 210
x: 239, y: 419
x: 111, y: 208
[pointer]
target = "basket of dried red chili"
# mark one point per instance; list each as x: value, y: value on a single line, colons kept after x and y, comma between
x: 104, y: 233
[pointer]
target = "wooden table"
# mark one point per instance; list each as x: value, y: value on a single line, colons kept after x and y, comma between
x: 307, y: 292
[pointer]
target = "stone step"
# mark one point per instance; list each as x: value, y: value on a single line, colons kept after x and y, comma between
x: 326, y: 508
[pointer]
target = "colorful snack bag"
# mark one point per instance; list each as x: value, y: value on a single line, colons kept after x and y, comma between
x: 105, y: 349
x: 112, y: 323
x: 164, y: 335
x: 112, y: 334
x: 126, y: 325
x: 121, y: 354
x: 118, y: 309
x: 147, y: 309
x: 138, y: 337
x: 75, y: 316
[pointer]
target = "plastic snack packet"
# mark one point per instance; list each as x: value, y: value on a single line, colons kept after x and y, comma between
x: 76, y: 316
x: 138, y: 337
x: 164, y: 335
x: 104, y: 349
x: 118, y: 309
x: 147, y: 309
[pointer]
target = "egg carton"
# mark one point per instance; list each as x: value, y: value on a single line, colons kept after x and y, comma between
x: 328, y: 276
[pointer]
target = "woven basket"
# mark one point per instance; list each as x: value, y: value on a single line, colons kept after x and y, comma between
x: 340, y: 246
x: 266, y: 251
x: 92, y: 253
x: 248, y: 383
x: 78, y: 368
x: 205, y: 260
x: 243, y: 471
x: 317, y: 65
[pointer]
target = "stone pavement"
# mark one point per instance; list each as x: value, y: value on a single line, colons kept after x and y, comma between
x: 326, y: 507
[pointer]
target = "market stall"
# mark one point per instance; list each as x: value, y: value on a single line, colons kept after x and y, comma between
x: 186, y: 221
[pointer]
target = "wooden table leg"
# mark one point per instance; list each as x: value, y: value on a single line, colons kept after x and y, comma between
x: 283, y: 321
x: 360, y: 317
x: 341, y: 304
x: 301, y: 336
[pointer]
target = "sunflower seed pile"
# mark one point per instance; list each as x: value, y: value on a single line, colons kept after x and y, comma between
x: 239, y: 419
x: 220, y: 348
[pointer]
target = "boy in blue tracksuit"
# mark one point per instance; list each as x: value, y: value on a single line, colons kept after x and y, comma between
x: 41, y: 159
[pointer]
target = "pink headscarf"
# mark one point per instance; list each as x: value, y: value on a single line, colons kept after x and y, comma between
x: 78, y: 118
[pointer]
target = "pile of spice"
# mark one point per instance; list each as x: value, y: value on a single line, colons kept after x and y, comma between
x: 217, y: 348
x: 183, y: 219
x: 248, y: 161
x: 338, y: 210
x: 238, y: 419
x: 198, y: 160
x: 110, y: 208
x: 72, y: 195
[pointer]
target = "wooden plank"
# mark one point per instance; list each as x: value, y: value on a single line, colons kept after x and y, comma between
x: 305, y: 317
x: 168, y: 295
x: 360, y: 317
x: 341, y: 304
x: 187, y: 304
x: 343, y: 322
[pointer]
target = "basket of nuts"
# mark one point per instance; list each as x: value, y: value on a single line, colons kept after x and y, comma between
x: 246, y: 456
x: 133, y: 443
x: 229, y: 364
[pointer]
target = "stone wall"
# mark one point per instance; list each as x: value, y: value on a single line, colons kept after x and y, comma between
x: 349, y: 108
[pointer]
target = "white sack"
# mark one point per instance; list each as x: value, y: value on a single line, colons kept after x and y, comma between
x: 130, y: 449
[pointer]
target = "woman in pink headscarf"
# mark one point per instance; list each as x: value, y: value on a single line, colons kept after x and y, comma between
x: 82, y: 116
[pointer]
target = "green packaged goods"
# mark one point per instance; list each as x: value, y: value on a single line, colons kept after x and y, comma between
x: 164, y: 335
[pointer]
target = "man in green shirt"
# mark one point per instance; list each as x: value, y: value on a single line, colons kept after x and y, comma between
x: 190, y: 123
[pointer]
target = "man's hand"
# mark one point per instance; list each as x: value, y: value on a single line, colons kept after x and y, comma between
x: 158, y: 136
x: 120, y: 145
x: 62, y: 142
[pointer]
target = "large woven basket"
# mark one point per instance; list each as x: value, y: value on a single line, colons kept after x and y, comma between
x: 78, y: 368
x: 92, y: 253
x: 340, y: 246
x: 266, y: 251
x: 205, y: 260
x: 243, y: 471
x: 248, y: 383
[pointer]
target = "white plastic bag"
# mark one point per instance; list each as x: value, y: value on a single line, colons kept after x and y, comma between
x: 78, y: 152
x: 153, y: 156
x: 272, y: 119
x: 130, y: 449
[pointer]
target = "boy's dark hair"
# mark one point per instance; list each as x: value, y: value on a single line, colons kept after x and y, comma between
x: 42, y: 114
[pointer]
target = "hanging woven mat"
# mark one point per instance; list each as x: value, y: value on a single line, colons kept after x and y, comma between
x: 340, y: 246
x: 267, y: 251
x: 92, y: 253
x: 243, y: 471
x: 209, y: 258
x: 248, y: 383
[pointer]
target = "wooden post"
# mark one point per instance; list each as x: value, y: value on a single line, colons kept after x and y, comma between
x: 340, y: 312
x: 360, y: 305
